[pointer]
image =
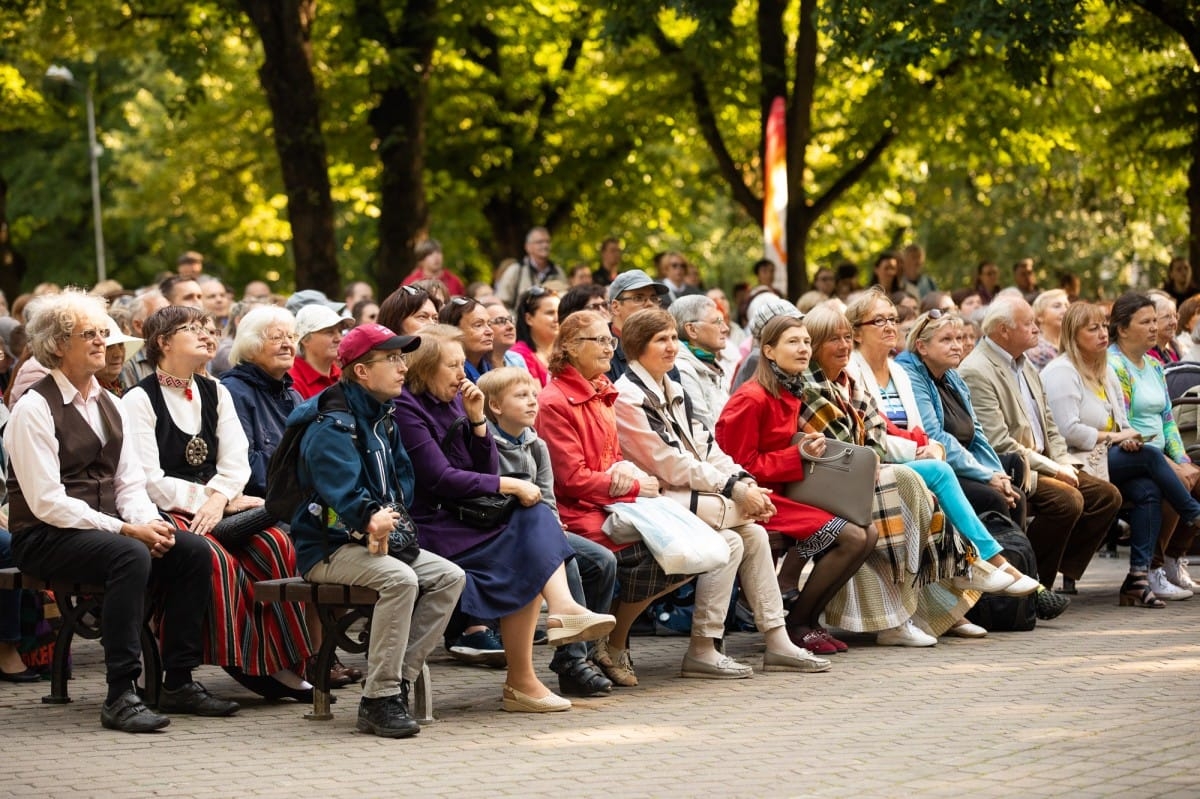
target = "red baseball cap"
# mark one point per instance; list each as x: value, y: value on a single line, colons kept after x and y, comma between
x: 361, y: 339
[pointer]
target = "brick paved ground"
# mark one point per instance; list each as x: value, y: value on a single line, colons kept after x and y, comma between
x: 1101, y: 702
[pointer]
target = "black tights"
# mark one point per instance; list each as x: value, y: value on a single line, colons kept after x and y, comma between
x: 832, y: 570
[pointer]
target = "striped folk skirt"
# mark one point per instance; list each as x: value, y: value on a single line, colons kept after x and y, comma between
x: 259, y: 639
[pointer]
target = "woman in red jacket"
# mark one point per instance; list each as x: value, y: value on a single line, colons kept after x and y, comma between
x: 577, y: 421
x: 756, y: 429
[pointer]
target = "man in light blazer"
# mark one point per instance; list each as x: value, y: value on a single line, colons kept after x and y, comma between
x: 1073, y: 510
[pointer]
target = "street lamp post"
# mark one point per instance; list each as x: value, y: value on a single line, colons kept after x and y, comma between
x: 63, y: 75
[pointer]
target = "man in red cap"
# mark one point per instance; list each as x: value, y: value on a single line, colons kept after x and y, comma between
x: 362, y: 482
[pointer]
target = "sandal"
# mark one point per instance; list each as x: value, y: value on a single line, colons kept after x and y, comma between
x: 1136, y: 591
x: 581, y: 678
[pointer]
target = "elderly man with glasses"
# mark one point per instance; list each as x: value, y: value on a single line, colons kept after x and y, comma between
x: 629, y: 293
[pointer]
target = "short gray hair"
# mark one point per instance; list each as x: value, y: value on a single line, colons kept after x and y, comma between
x: 51, y: 318
x: 1002, y: 311
x: 251, y: 331
x: 691, y: 308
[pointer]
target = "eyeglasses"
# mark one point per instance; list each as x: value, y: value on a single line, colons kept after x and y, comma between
x: 596, y: 306
x: 640, y: 299
x: 194, y: 329
x: 501, y: 321
x: 882, y: 321
x: 605, y: 342
x: 719, y: 321
x: 280, y: 338
x: 537, y: 291
x: 91, y: 334
x: 461, y: 301
x: 931, y: 315
x: 413, y: 291
x: 394, y: 359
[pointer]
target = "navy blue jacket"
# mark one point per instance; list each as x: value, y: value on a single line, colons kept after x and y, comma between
x: 263, y: 404
x: 355, y: 462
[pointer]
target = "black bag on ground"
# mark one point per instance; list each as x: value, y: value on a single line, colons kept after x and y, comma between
x: 996, y: 612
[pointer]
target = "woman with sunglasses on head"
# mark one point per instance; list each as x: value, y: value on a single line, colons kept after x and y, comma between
x: 537, y: 327
x: 478, y: 336
x: 874, y: 320
x: 185, y: 429
x: 408, y: 309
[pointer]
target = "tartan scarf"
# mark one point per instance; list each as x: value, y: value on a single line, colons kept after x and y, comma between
x: 840, y: 409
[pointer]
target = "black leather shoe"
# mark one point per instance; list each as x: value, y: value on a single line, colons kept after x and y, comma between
x: 129, y: 714
x: 28, y: 675
x: 1049, y: 605
x: 386, y: 717
x: 195, y: 699
x: 580, y: 678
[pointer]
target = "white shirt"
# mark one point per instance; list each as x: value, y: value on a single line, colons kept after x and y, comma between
x: 233, y: 460
x: 32, y: 446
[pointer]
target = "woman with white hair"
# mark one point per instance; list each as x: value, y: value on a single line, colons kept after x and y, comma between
x: 264, y: 350
x: 702, y: 336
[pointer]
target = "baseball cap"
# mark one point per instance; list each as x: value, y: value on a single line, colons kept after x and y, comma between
x: 115, y: 336
x: 633, y: 280
x: 766, y: 310
x: 360, y: 340
x: 312, y: 318
x: 308, y: 297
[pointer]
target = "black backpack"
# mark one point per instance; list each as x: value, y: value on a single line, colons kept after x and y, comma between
x: 1007, y: 613
x: 284, y: 490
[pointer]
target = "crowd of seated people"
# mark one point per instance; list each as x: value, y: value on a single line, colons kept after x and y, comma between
x: 143, y: 423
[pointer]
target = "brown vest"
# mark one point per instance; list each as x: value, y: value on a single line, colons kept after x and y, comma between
x: 87, y: 467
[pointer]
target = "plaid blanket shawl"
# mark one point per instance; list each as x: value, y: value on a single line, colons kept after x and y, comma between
x: 916, y: 552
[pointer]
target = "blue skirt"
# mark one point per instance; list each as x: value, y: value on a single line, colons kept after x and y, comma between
x: 506, y: 572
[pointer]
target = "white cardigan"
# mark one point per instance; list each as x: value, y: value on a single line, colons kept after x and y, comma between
x: 899, y: 450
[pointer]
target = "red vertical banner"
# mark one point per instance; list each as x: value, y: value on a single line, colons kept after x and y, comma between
x: 776, y: 194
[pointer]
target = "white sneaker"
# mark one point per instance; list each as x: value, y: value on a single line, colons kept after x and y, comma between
x: 1177, y: 572
x: 906, y: 634
x: 1164, y: 588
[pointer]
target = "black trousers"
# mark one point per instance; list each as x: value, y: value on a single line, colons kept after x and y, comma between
x: 182, y: 578
x: 984, y: 498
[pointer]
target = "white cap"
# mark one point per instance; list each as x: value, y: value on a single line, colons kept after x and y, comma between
x: 312, y: 318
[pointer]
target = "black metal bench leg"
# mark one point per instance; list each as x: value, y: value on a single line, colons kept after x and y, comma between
x: 60, y: 665
x: 152, y: 668
x: 329, y: 639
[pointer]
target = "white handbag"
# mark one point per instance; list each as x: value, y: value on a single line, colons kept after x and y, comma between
x: 680, y: 541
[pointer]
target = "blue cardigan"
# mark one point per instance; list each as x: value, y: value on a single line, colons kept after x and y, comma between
x: 976, y: 462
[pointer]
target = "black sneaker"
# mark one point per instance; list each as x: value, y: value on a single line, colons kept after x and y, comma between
x: 129, y: 714
x: 1049, y: 605
x: 387, y: 717
x: 195, y: 699
x: 479, y: 648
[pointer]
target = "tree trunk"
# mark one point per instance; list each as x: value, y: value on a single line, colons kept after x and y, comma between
x: 800, y: 215
x: 399, y: 124
x: 286, y: 76
x: 12, y: 265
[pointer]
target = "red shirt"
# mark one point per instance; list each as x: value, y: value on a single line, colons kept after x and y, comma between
x: 308, y: 382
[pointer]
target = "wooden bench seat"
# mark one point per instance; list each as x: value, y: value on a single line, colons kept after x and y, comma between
x: 80, y: 605
x: 340, y: 607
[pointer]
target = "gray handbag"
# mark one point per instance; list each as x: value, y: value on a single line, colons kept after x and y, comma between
x: 841, y: 482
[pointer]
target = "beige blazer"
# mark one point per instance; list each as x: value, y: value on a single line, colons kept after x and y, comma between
x: 996, y: 397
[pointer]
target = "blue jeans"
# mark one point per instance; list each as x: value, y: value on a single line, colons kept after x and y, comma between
x: 939, y: 477
x: 1145, y: 479
x: 10, y: 601
x: 591, y: 577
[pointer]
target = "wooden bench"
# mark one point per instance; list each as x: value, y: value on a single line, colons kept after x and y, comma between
x: 80, y: 605
x: 339, y: 607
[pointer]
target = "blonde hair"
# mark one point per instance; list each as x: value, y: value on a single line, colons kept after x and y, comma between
x: 1042, y: 302
x: 425, y: 359
x: 497, y: 383
x: 1079, y: 316
x: 926, y: 327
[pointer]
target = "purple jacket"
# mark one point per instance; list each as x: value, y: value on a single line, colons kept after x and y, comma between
x: 470, y: 466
